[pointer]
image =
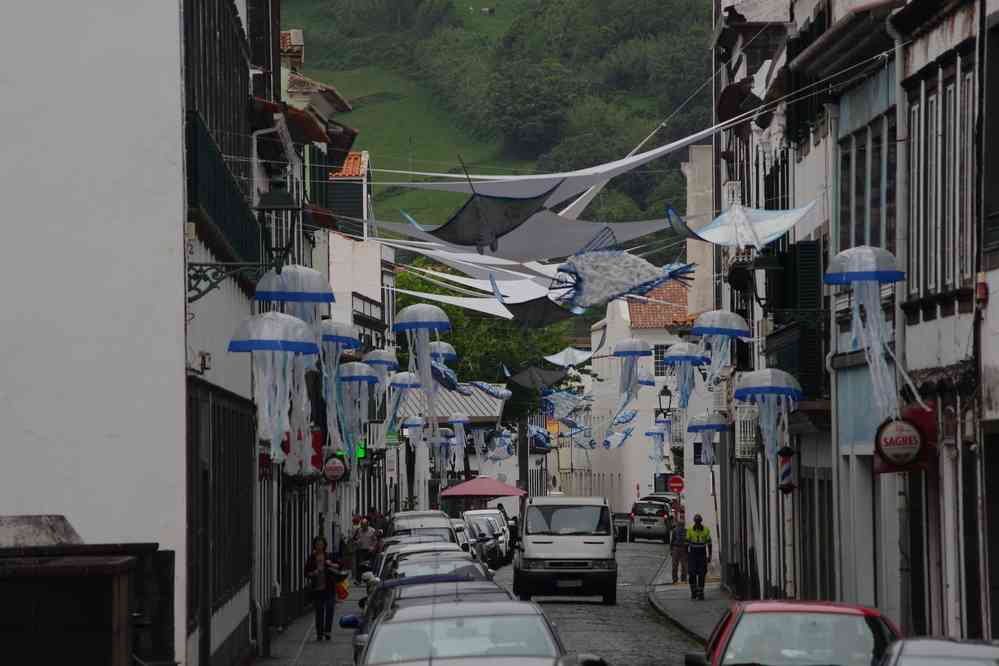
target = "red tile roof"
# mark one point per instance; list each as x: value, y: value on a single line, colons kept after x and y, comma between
x: 355, y: 166
x: 645, y: 314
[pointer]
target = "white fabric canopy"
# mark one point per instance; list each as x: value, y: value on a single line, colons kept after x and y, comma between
x: 488, y: 306
x: 513, y: 290
x: 752, y: 227
x: 570, y: 356
x: 558, y: 186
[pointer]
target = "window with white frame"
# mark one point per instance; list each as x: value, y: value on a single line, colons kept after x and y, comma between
x: 867, y: 178
x: 941, y: 180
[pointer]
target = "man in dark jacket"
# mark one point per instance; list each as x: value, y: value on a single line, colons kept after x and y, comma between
x: 678, y: 551
x: 324, y: 574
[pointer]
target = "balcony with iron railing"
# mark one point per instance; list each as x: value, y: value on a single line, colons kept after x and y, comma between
x: 216, y: 201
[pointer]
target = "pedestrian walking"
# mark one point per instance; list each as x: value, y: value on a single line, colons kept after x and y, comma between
x: 698, y: 556
x: 323, y: 574
x: 678, y: 551
x: 365, y: 542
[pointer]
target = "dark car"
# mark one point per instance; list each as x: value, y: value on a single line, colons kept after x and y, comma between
x: 402, y: 592
x: 510, y: 633
x: 490, y: 551
x: 428, y: 564
x: 941, y: 652
x: 797, y: 633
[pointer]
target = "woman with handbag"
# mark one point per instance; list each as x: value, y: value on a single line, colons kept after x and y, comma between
x: 324, y: 574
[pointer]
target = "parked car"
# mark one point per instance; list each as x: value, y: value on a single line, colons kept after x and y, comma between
x: 389, y: 556
x: 439, y: 525
x: 461, y: 530
x: 649, y: 521
x: 567, y: 548
x: 441, y: 564
x: 486, y: 534
x: 940, y: 652
x: 507, y: 633
x: 797, y: 633
x: 486, y: 547
x: 402, y: 592
x: 501, y: 525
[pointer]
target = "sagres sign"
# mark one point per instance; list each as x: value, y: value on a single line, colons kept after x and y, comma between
x: 899, y: 442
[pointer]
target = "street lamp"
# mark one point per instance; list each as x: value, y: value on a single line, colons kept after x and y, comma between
x: 666, y: 394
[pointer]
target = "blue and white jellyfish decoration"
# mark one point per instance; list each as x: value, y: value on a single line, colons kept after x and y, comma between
x: 717, y: 329
x: 399, y: 384
x: 273, y: 339
x: 683, y: 357
x: 354, y: 380
x: 865, y: 269
x: 334, y: 339
x: 776, y: 393
x: 706, y: 425
x: 418, y: 322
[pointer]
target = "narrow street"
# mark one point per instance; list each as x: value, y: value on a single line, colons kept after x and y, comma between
x: 632, y: 632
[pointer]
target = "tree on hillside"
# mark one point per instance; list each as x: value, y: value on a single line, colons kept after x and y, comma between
x: 529, y: 101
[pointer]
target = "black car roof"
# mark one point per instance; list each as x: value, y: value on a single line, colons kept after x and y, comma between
x: 468, y: 609
x: 449, y: 588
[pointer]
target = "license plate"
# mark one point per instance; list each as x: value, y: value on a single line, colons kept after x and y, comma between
x: 568, y: 583
x: 649, y: 521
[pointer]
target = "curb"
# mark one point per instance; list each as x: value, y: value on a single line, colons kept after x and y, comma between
x: 662, y: 611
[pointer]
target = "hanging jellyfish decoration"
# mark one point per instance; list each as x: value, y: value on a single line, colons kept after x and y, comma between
x: 705, y: 426
x: 457, y: 423
x: 298, y: 290
x: 354, y: 381
x: 399, y: 384
x: 334, y: 339
x: 658, y: 455
x: 273, y: 339
x: 383, y: 362
x: 717, y: 330
x: 418, y: 322
x: 630, y: 351
x: 646, y: 379
x: 683, y: 357
x: 442, y: 444
x: 776, y: 393
x: 865, y: 269
x: 443, y: 352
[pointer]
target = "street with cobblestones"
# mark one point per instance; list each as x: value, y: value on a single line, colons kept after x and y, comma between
x: 633, y: 631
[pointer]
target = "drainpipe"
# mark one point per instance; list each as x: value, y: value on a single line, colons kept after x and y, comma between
x: 832, y: 118
x: 902, y: 258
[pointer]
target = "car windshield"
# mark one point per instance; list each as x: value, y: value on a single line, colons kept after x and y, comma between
x: 440, y: 566
x: 444, y: 533
x: 807, y: 639
x: 569, y: 520
x: 485, y: 527
x: 502, y: 636
x: 648, y: 510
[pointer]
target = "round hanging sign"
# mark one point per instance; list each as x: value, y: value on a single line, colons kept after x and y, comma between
x: 899, y: 442
x: 675, y: 484
x: 333, y: 469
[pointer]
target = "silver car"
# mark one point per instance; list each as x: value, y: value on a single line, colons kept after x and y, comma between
x: 648, y: 521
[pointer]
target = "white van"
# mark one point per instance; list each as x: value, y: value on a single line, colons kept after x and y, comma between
x: 567, y: 547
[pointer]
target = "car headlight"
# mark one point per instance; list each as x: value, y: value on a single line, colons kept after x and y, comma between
x: 604, y: 564
x: 532, y: 564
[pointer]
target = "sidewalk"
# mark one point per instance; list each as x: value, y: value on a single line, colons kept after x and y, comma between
x: 695, y: 617
x: 297, y: 644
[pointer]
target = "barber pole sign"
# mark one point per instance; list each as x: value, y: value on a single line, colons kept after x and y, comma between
x: 785, y: 478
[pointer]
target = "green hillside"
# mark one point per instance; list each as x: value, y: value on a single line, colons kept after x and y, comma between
x: 539, y: 85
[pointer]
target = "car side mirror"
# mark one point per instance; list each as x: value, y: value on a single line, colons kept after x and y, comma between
x: 490, y: 573
x: 464, y: 547
x: 350, y: 622
x: 695, y: 659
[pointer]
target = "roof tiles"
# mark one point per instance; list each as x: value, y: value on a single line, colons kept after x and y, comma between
x: 645, y: 314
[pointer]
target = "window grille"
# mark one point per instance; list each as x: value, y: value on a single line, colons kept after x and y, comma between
x: 746, y: 419
x: 678, y: 426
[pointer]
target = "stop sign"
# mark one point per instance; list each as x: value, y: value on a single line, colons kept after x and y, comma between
x: 675, y: 484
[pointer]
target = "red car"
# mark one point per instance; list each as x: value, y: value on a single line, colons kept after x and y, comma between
x: 797, y: 633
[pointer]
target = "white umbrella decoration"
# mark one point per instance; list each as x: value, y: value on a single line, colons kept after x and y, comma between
x: 442, y: 352
x: 710, y: 423
x: 273, y: 339
x: 382, y: 361
x: 684, y: 356
x: 717, y: 329
x: 776, y: 393
x: 865, y: 269
x: 418, y: 322
x: 334, y: 339
x: 299, y: 290
x: 399, y: 384
x: 354, y: 380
